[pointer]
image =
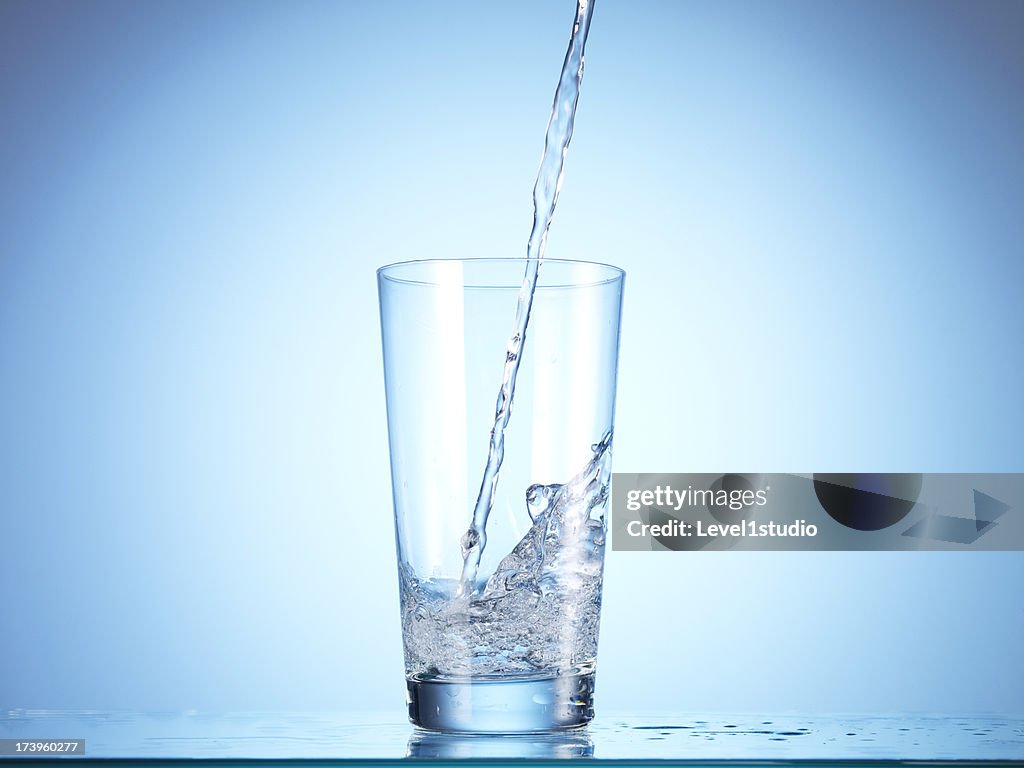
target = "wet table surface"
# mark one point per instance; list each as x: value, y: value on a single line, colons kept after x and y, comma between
x: 360, y: 736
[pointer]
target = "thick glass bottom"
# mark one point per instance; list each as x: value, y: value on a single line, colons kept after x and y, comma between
x: 502, y: 706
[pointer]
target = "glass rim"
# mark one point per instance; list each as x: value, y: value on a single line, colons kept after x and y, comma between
x: 386, y: 272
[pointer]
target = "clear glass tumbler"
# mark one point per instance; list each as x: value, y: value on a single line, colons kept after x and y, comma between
x: 513, y: 649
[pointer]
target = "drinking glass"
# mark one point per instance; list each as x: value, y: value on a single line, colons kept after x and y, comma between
x: 513, y: 647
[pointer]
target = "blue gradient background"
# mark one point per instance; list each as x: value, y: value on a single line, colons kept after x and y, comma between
x: 819, y: 209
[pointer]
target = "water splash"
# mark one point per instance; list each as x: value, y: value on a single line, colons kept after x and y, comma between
x: 539, y: 610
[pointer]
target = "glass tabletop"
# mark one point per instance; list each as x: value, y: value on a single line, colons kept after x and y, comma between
x: 388, y: 736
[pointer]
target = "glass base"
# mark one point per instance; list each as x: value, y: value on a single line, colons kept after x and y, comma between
x: 502, y: 706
